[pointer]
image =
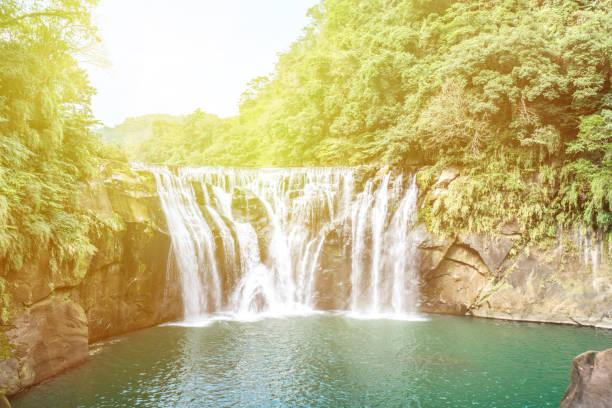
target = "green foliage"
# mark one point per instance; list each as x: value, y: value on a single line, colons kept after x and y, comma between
x: 5, y: 346
x: 183, y: 140
x: 491, y: 192
x: 46, y: 149
x: 5, y: 306
x: 587, y: 179
x: 132, y: 131
x: 512, y: 91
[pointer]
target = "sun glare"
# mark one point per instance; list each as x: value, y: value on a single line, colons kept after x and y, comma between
x: 174, y: 57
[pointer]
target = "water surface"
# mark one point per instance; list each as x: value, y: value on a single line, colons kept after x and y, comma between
x: 327, y: 361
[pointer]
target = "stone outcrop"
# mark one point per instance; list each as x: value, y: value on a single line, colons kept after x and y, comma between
x: 131, y: 282
x: 128, y: 283
x: 47, y: 338
x: 551, y: 285
x: 493, y: 276
x: 590, y: 381
x: 333, y: 272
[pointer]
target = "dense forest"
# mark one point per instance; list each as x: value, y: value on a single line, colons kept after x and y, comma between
x: 47, y: 146
x: 133, y: 130
x: 515, y: 93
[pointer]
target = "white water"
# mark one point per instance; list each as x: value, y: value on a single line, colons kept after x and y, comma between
x: 249, y: 242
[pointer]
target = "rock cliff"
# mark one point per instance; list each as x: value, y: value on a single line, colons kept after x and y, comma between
x: 494, y: 276
x: 127, y: 284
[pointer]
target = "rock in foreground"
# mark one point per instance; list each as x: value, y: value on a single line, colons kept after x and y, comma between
x: 590, y: 381
x: 48, y: 338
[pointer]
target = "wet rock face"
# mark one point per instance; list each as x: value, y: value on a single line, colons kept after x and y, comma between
x: 590, y: 381
x: 131, y: 283
x: 48, y: 338
x: 249, y: 209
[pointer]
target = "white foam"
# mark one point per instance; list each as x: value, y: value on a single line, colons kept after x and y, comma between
x: 300, y: 206
x: 208, y: 320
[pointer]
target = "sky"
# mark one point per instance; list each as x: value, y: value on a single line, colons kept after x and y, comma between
x: 175, y: 56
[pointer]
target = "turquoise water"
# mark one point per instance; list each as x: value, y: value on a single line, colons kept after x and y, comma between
x: 327, y: 361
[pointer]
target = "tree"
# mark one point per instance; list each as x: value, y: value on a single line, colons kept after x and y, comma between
x: 46, y: 146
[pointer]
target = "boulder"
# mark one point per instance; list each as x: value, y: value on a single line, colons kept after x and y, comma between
x: 454, y: 286
x: 590, y: 381
x: 46, y: 339
x: 453, y: 277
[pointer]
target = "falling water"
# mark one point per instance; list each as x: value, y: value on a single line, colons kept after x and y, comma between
x: 250, y: 241
x: 192, y: 244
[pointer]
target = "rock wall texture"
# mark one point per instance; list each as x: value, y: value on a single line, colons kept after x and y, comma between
x: 590, y: 381
x: 127, y: 284
x: 493, y: 276
x: 48, y: 338
x: 555, y: 285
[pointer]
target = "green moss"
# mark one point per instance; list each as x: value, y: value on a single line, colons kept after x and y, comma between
x: 5, y: 346
x: 6, y: 312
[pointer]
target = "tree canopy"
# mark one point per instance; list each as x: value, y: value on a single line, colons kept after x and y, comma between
x: 46, y: 147
x: 517, y: 92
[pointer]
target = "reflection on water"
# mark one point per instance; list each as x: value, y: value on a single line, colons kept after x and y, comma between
x: 326, y: 360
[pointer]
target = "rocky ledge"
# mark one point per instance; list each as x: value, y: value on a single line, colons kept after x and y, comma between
x: 479, y: 276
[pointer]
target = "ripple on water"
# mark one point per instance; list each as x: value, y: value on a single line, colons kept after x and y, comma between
x: 323, y: 360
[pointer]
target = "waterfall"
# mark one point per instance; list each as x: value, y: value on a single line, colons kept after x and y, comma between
x: 250, y: 241
x: 192, y: 244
